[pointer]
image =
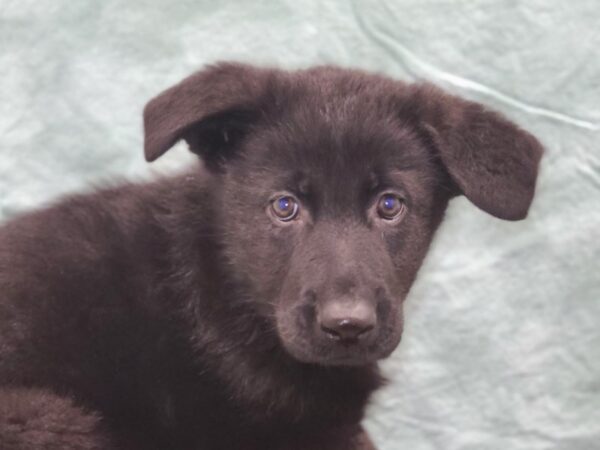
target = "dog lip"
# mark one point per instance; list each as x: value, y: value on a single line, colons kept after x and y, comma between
x: 338, y: 354
x: 347, y: 360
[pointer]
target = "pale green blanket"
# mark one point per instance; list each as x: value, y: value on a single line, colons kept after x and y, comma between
x: 502, y: 345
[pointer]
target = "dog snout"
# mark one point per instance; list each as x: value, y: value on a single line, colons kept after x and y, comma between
x: 347, y: 321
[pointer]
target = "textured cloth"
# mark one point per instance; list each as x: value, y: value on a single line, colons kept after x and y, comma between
x: 502, y: 343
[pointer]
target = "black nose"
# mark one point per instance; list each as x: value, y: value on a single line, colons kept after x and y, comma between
x: 347, y: 321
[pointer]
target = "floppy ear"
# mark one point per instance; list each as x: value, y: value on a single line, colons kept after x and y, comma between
x: 211, y: 110
x: 492, y: 161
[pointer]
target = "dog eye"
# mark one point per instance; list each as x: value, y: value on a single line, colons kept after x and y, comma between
x: 285, y: 208
x: 390, y: 206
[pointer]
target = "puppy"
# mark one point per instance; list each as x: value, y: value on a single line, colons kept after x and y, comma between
x: 245, y: 304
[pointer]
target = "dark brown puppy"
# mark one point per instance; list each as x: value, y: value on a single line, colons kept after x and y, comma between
x: 243, y: 305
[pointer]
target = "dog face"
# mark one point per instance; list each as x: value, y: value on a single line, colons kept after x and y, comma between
x: 329, y: 218
x: 333, y: 183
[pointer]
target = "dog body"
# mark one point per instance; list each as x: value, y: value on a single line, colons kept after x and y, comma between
x: 244, y: 304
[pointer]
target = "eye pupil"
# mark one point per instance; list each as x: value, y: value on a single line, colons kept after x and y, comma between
x: 389, y: 202
x: 284, y: 203
x: 285, y: 208
x: 390, y: 206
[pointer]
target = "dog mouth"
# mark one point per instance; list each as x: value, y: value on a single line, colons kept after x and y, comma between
x: 350, y: 359
x: 335, y: 355
x: 332, y: 351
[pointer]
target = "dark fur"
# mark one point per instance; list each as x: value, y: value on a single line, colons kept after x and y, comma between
x: 178, y: 314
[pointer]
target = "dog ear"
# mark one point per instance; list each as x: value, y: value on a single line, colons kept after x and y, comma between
x: 211, y: 110
x: 492, y: 161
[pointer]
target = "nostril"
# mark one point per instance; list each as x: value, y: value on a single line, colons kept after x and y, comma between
x: 346, y: 320
x: 347, y: 329
x: 331, y: 332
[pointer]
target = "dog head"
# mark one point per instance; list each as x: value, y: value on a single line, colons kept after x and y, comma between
x: 332, y: 184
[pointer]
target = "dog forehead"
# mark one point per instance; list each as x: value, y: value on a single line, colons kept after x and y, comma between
x: 334, y: 127
x: 338, y: 135
x: 338, y: 161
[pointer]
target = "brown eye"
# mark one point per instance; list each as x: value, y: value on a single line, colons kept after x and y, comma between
x: 390, y: 206
x: 285, y: 208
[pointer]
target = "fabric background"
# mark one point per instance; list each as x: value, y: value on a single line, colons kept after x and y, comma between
x: 502, y: 344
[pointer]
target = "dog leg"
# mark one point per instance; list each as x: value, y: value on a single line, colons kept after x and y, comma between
x: 35, y: 419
